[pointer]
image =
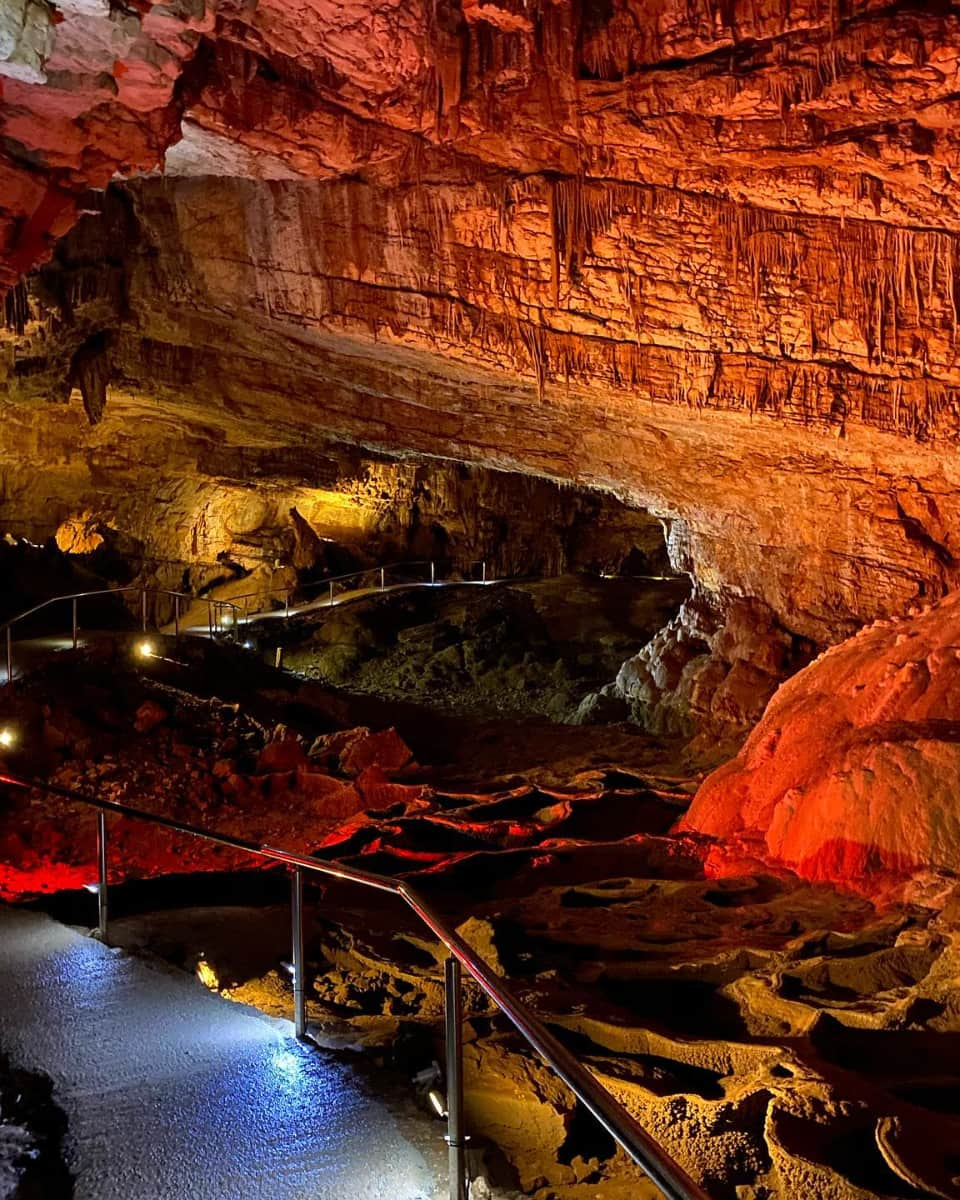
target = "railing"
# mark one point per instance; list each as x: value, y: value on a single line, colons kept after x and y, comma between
x: 215, y: 611
x: 377, y: 575
x: 238, y: 606
x: 668, y: 1175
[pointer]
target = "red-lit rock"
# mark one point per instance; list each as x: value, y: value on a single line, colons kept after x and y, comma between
x: 150, y: 714
x: 700, y: 255
x: 852, y: 772
x: 284, y: 754
x: 328, y: 799
x: 354, y: 750
x: 86, y: 92
x: 379, y: 792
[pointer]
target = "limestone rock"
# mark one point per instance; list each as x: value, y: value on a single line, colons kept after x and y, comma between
x: 150, y: 714
x: 702, y: 256
x: 851, y: 774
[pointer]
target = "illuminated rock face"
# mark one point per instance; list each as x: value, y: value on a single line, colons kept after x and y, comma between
x: 165, y: 497
x: 702, y: 255
x: 852, y: 772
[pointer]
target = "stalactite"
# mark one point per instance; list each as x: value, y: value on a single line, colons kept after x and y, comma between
x: 16, y: 308
x: 578, y: 211
x: 533, y: 340
x: 769, y: 243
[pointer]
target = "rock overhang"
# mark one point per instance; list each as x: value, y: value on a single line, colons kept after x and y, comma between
x: 705, y: 259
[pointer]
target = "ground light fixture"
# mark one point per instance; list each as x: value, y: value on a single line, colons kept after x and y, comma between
x: 427, y: 1083
x: 8, y: 737
x: 207, y: 974
x: 145, y: 649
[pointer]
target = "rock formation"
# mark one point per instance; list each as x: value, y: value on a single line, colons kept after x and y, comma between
x: 283, y: 271
x: 702, y: 255
x: 851, y: 775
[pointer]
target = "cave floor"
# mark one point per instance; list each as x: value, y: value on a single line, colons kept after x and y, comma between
x: 783, y: 1039
x: 171, y: 1091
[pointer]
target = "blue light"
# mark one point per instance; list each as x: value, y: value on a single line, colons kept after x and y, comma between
x: 288, y: 1064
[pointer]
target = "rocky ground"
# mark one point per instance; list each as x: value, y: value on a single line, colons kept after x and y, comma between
x: 31, y: 1130
x: 515, y: 649
x: 782, y: 1038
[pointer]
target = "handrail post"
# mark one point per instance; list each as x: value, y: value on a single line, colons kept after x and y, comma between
x: 331, y: 591
x: 210, y: 618
x: 641, y: 1146
x: 383, y: 578
x: 102, y: 907
x: 74, y: 622
x: 9, y: 656
x: 286, y: 606
x: 143, y: 610
x: 483, y: 571
x: 299, y: 990
x: 278, y: 659
x: 453, y: 1018
x: 176, y: 617
x: 433, y: 571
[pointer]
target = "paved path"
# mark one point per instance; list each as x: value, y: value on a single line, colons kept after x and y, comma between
x: 174, y: 1094
x: 196, y: 620
x: 29, y: 653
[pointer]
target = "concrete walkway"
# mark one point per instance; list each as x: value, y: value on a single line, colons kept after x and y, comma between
x: 172, y: 1093
x: 196, y: 620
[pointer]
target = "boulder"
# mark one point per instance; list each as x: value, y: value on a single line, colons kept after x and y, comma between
x: 284, y: 755
x: 150, y: 714
x: 851, y: 774
x: 385, y: 749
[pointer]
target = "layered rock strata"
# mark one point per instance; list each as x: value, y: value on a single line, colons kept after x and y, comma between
x: 704, y: 257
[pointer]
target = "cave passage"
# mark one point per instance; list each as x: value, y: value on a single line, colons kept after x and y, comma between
x: 508, y: 447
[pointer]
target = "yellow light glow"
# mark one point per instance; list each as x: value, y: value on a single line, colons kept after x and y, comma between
x: 7, y: 738
x: 207, y: 975
x: 145, y: 649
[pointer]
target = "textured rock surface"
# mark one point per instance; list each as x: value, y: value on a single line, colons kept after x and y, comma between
x: 852, y: 772
x: 702, y: 255
x: 508, y: 649
x: 168, y: 498
x: 711, y: 670
x: 782, y: 1038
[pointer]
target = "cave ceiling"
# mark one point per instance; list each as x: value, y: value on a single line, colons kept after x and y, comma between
x: 704, y: 254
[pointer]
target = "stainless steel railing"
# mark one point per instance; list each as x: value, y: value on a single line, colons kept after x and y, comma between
x: 377, y: 575
x: 240, y: 613
x: 215, y: 612
x: 238, y: 606
x: 667, y: 1174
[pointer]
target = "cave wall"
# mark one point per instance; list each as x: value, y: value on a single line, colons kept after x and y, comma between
x: 702, y: 256
x: 167, y: 494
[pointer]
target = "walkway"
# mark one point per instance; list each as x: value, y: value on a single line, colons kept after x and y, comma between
x: 195, y: 620
x: 29, y: 653
x: 172, y: 1092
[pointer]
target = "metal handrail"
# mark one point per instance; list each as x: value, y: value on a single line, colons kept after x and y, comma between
x: 329, y: 582
x: 112, y: 591
x: 626, y: 1131
x: 215, y: 608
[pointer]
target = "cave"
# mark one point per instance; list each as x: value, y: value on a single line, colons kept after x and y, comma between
x: 478, y: 560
